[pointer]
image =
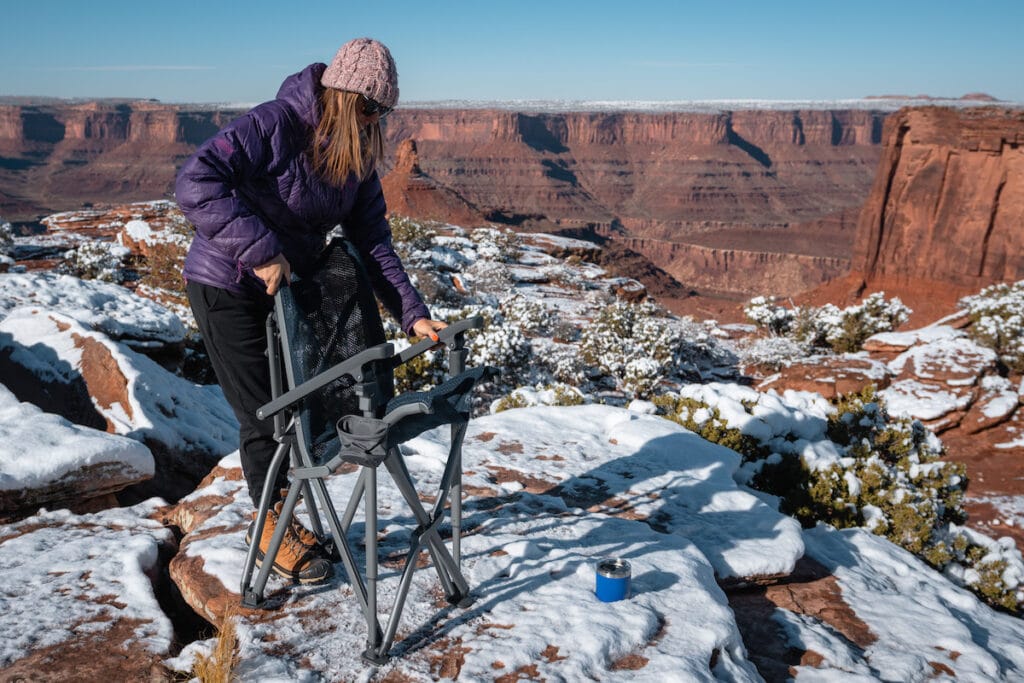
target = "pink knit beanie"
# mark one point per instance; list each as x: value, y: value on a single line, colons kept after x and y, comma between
x: 364, y: 66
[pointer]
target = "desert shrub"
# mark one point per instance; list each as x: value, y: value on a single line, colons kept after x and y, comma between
x: 165, y: 256
x: 997, y: 321
x: 563, y: 363
x: 493, y: 244
x: 771, y: 353
x: 707, y: 422
x: 544, y: 395
x: 6, y: 237
x: 95, y: 260
x: 829, y: 327
x: 530, y: 316
x: 633, y: 345
x: 410, y: 235
x: 887, y: 477
x: 505, y: 347
x: 434, y: 287
x: 490, y: 279
x: 857, y: 323
x: 764, y: 312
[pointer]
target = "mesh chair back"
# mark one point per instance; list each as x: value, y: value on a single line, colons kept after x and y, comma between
x: 330, y: 315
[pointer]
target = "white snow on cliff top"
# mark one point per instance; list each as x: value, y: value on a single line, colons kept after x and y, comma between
x: 702, y: 106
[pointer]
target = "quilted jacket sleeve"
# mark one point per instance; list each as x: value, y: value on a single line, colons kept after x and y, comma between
x: 209, y: 182
x: 367, y: 228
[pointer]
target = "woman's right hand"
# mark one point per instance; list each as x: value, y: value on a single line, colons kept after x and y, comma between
x: 273, y: 272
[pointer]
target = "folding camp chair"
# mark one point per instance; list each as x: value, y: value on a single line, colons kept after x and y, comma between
x: 326, y: 340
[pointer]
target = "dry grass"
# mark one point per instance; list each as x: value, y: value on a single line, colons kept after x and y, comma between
x: 218, y: 666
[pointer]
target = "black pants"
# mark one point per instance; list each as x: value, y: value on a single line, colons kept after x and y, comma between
x: 235, y: 335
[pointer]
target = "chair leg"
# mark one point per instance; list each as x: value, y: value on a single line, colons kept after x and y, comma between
x: 253, y: 597
x: 455, y: 586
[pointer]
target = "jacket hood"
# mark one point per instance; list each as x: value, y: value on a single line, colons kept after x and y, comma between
x: 301, y: 92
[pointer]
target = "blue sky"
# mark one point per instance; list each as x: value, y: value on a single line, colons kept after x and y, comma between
x: 188, y: 51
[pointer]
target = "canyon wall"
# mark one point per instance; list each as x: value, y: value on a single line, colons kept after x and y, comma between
x: 724, y: 189
x: 59, y: 157
x: 657, y: 175
x: 945, y: 216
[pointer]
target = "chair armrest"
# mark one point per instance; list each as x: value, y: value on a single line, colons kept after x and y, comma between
x: 445, y: 336
x: 354, y: 367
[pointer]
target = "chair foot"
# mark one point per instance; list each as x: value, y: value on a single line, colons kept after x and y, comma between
x: 461, y: 599
x: 253, y: 600
x: 330, y: 550
x: 372, y: 657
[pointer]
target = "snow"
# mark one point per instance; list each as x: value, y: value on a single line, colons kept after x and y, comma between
x: 910, y: 398
x: 101, y: 306
x: 699, y: 106
x: 69, y: 576
x: 922, y: 335
x: 160, y: 406
x: 680, y: 521
x: 918, y: 616
x: 550, y: 492
x: 58, y: 448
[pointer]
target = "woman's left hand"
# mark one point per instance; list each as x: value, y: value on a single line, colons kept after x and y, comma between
x: 425, y: 327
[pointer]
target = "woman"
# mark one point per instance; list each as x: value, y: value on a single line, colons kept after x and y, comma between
x: 262, y: 195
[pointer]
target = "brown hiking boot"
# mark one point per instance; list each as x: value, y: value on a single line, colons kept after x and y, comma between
x: 307, y: 537
x: 295, y: 560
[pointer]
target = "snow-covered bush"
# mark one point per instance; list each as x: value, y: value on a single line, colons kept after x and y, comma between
x: 6, y: 236
x: 829, y: 327
x: 6, y: 242
x: 861, y: 467
x: 506, y: 348
x: 493, y: 244
x: 420, y: 373
x: 771, y: 353
x: 563, y: 363
x: 997, y: 317
x: 489, y: 278
x: 410, y: 235
x: 846, y: 330
x: 542, y: 395
x: 633, y: 345
x: 764, y: 312
x: 529, y: 315
x: 94, y: 260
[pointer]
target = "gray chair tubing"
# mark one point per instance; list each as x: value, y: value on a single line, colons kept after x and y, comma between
x: 308, y: 479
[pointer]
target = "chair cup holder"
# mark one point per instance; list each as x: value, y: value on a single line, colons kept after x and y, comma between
x: 364, y: 440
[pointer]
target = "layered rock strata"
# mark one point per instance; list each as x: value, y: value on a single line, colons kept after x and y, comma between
x: 944, y: 214
x: 724, y: 183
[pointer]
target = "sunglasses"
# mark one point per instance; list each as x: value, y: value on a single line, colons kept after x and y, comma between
x: 371, y: 107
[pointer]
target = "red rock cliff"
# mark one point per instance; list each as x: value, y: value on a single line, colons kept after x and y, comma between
x: 945, y: 213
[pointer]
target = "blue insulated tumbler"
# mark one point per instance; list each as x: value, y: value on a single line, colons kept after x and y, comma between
x: 612, y: 580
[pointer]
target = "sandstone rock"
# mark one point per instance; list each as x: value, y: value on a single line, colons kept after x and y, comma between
x: 80, y: 597
x: 811, y: 592
x: 943, y: 215
x: 738, y: 191
x: 50, y: 462
x: 108, y: 308
x: 830, y: 376
x: 186, y: 426
x: 411, y: 192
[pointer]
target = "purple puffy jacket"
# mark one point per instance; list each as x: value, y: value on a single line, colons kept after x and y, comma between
x: 252, y: 194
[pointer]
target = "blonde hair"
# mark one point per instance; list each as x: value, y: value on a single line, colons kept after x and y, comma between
x: 340, y: 147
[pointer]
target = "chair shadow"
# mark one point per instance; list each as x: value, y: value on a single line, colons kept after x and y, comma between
x: 677, y: 456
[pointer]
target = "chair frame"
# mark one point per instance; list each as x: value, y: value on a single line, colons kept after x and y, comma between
x: 308, y: 482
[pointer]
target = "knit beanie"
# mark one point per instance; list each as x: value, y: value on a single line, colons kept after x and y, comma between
x: 364, y: 66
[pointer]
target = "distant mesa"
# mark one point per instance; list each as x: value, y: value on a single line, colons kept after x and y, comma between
x: 969, y: 97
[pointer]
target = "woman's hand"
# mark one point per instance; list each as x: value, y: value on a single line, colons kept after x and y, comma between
x: 425, y: 327
x: 273, y: 272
